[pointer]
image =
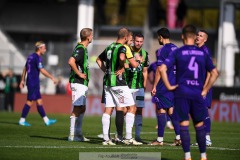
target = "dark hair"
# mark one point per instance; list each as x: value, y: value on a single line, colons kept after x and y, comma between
x: 189, y: 31
x: 138, y: 35
x: 164, y: 32
x: 204, y: 31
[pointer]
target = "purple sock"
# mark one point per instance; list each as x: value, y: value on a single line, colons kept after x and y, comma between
x: 41, y: 110
x: 201, y: 138
x: 185, y: 137
x: 207, y: 123
x: 176, y: 125
x: 25, y: 111
x: 161, y: 123
x: 168, y: 117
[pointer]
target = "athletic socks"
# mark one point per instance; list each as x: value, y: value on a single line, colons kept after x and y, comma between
x: 73, y: 121
x: 79, y: 124
x: 185, y: 138
x: 207, y: 123
x: 201, y: 138
x: 41, y: 110
x: 25, y: 111
x: 105, y: 124
x: 129, y: 124
x: 138, y: 125
x: 161, y: 117
x: 119, y: 121
x: 176, y: 125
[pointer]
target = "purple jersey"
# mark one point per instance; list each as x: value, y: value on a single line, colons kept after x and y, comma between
x: 162, y: 54
x: 152, y: 68
x: 192, y: 63
x: 33, y: 66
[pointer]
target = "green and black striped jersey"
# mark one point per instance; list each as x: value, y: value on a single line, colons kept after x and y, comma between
x: 111, y: 56
x: 80, y: 55
x: 134, y: 76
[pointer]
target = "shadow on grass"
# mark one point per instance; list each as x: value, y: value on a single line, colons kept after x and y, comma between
x: 5, y: 122
x: 93, y: 140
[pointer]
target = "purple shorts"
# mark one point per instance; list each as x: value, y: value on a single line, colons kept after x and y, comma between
x: 163, y: 102
x: 184, y: 107
x: 33, y: 93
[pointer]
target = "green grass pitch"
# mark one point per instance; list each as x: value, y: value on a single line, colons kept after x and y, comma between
x: 40, y: 142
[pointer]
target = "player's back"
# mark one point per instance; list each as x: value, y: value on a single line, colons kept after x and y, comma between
x: 33, y: 64
x: 163, y: 53
x: 191, y: 66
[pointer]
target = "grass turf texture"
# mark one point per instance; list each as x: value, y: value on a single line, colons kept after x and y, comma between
x: 48, y: 143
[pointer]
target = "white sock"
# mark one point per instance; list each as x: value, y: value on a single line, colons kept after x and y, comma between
x: 177, y: 137
x: 129, y: 125
x: 45, y: 119
x: 187, y: 155
x: 208, y: 137
x: 105, y: 125
x: 160, y: 139
x: 169, y: 123
x: 22, y: 119
x: 79, y: 124
x: 138, y: 125
x: 73, y: 120
x: 204, y: 155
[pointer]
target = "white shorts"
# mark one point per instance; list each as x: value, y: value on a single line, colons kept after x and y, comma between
x: 138, y: 96
x: 118, y: 96
x: 79, y: 92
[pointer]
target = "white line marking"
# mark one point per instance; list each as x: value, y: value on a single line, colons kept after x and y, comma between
x: 121, y: 147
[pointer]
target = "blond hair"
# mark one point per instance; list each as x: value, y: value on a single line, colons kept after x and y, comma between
x: 85, y: 33
x: 39, y: 44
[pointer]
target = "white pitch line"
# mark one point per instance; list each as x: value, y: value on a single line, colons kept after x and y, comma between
x: 121, y: 147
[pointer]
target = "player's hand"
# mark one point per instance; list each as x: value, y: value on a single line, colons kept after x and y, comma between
x: 138, y: 57
x: 54, y: 80
x: 120, y: 71
x: 171, y: 88
x: 204, y: 93
x: 83, y: 76
x: 153, y: 92
x: 21, y: 85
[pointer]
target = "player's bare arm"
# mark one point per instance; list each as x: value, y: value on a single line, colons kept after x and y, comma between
x: 21, y: 85
x: 47, y: 74
x: 145, y: 76
x: 101, y: 64
x: 156, y: 80
x: 133, y: 62
x: 213, y: 77
x: 164, y: 76
x: 73, y: 65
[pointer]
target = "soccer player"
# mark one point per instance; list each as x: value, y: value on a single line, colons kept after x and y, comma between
x: 117, y: 93
x: 152, y: 69
x: 192, y: 64
x: 202, y: 37
x: 32, y: 68
x: 79, y: 78
x: 137, y: 79
x: 164, y: 98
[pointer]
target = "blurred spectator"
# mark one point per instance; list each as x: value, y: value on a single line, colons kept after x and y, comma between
x: 60, y: 87
x: 10, y: 89
x: 156, y: 13
x: 181, y: 13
